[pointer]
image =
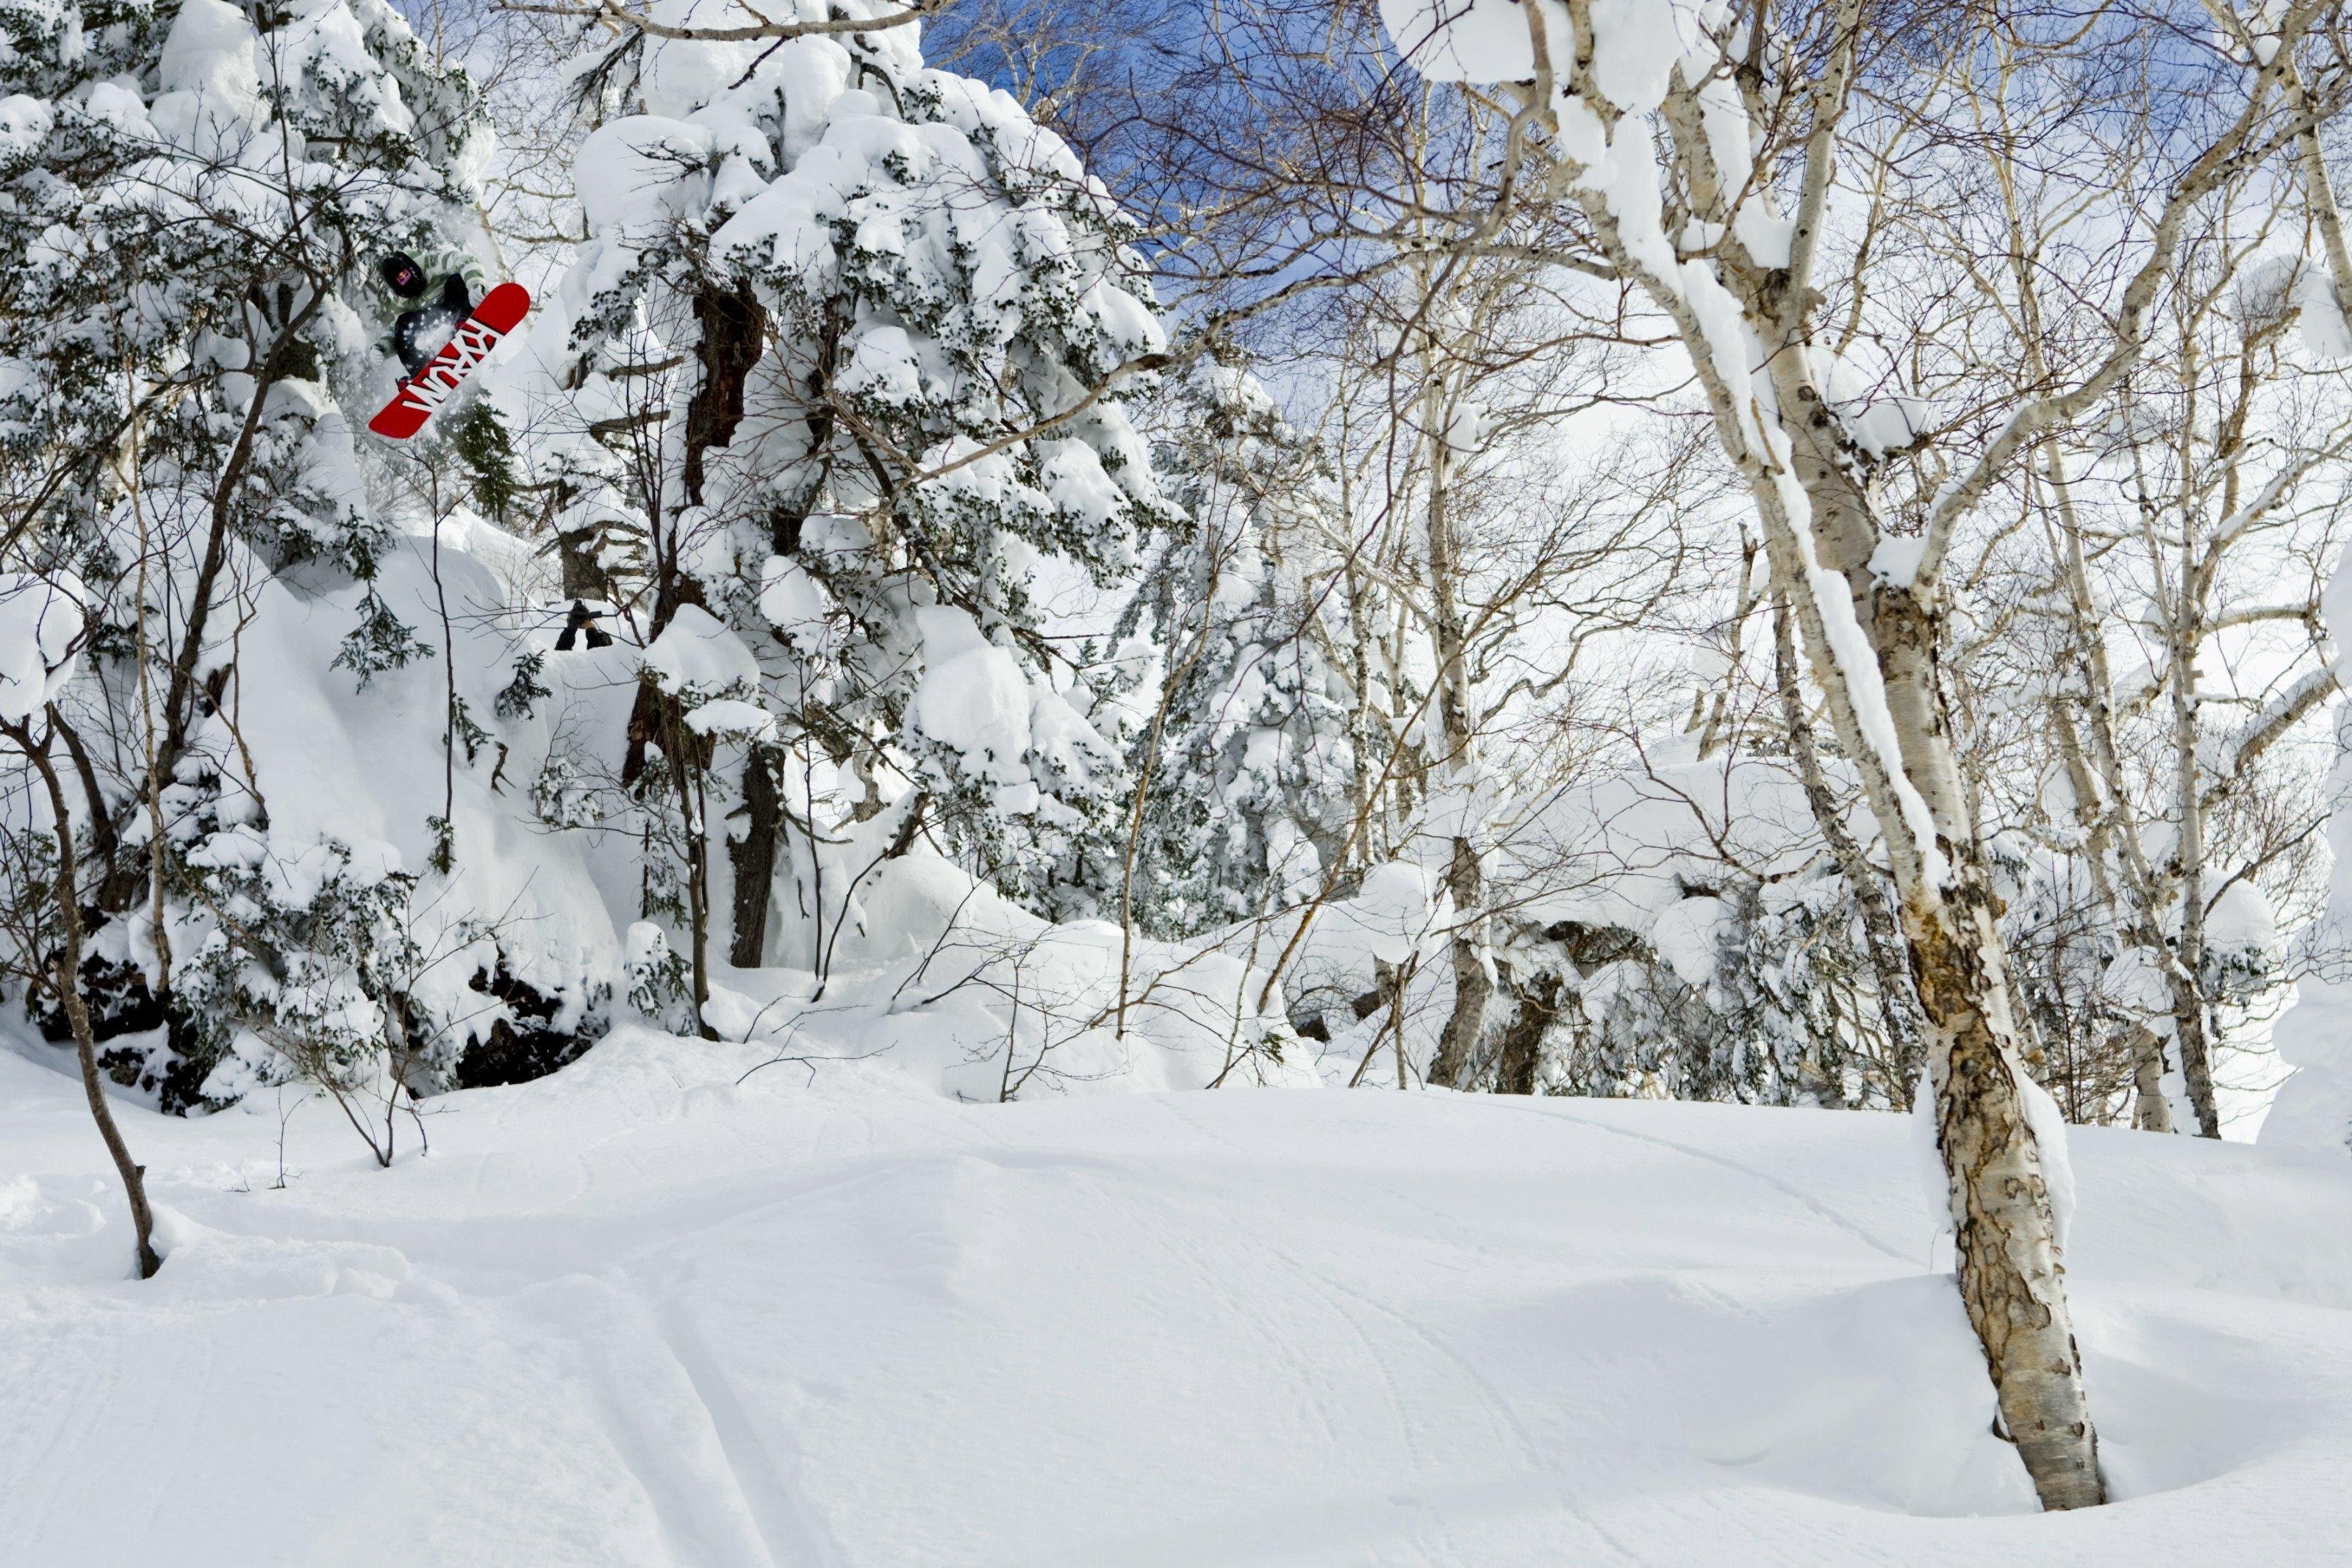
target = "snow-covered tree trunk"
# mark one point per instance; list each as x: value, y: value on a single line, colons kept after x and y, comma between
x: 2005, y: 1228
x: 1473, y: 980
x: 2151, y: 1112
x: 2189, y: 1009
x: 1872, y: 619
x: 1881, y: 934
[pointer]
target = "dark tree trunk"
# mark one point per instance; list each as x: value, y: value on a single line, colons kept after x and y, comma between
x: 1458, y: 1044
x: 1519, y: 1058
x: 754, y: 858
x: 734, y: 332
x: 66, y: 981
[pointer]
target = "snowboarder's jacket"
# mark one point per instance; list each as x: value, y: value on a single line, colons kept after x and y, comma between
x: 418, y: 334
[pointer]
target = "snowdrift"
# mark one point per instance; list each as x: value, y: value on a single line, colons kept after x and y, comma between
x: 642, y: 1313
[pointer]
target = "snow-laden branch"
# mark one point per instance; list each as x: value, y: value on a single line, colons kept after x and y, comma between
x: 616, y: 14
x: 2278, y: 716
x: 2258, y: 615
x: 2276, y: 488
x: 2234, y: 150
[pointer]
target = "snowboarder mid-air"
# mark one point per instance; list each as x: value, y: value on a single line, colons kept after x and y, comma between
x: 440, y: 343
x: 419, y: 333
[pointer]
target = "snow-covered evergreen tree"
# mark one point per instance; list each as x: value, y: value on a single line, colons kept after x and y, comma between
x: 1250, y: 756
x: 283, y: 759
x: 854, y: 340
x: 1758, y: 992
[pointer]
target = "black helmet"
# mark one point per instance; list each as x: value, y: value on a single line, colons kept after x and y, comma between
x: 401, y: 276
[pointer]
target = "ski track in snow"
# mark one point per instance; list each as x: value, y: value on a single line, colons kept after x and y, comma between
x: 767, y: 1475
x: 701, y: 1519
x: 1811, y: 1203
x: 639, y: 1315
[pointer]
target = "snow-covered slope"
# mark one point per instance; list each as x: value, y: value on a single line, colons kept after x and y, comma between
x: 639, y: 1314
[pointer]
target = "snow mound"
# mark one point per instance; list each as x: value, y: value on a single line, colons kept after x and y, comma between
x: 41, y: 630
x: 654, y: 1311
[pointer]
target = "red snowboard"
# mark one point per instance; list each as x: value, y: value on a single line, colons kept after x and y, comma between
x: 500, y: 311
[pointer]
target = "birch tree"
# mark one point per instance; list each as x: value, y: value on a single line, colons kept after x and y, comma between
x: 1703, y: 154
x: 2211, y: 550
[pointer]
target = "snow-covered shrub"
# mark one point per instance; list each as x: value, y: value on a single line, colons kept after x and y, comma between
x: 1679, y: 933
x: 1756, y: 992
